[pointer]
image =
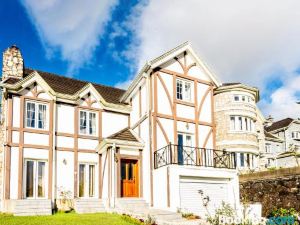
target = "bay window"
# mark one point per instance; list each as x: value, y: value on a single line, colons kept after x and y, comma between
x: 241, y: 123
x: 183, y: 90
x: 36, y: 115
x: 87, y: 122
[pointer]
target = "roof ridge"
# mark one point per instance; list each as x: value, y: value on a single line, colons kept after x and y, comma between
x: 70, y: 78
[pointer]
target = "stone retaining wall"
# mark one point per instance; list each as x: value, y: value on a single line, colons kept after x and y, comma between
x: 279, y: 188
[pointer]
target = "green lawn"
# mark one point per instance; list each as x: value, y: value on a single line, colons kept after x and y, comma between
x: 69, y: 219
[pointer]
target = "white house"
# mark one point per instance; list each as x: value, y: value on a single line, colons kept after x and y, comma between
x: 285, y: 142
x: 154, y: 142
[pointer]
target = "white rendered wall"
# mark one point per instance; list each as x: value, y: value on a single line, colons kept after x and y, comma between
x: 14, y: 173
x: 113, y: 122
x: 65, y: 118
x: 16, y: 111
x: 65, y: 172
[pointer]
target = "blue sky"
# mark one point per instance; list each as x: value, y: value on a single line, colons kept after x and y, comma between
x: 107, y: 41
x: 102, y: 67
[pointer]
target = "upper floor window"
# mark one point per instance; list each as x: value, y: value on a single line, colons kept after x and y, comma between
x: 268, y: 148
x: 183, y: 90
x: 241, y: 123
x: 87, y: 123
x: 243, y: 98
x: 296, y: 135
x: 36, y: 115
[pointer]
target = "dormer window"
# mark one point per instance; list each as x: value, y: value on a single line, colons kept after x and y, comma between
x: 87, y: 123
x: 36, y: 115
x: 183, y: 90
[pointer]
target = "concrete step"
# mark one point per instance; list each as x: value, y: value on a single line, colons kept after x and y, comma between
x: 89, y: 205
x: 164, y: 215
x: 131, y: 203
x: 28, y: 207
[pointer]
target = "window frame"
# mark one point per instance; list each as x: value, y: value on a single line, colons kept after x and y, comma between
x: 238, y: 123
x: 36, y: 116
x: 184, y: 93
x: 87, y: 123
x: 87, y: 187
x: 35, y: 178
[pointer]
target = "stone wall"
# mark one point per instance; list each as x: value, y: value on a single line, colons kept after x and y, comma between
x: 273, y: 189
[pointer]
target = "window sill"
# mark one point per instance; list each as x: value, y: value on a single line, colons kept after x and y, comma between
x: 187, y: 103
x: 35, y: 130
x: 86, y: 136
x: 242, y: 132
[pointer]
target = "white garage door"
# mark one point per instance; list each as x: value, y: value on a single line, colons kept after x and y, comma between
x: 191, y: 200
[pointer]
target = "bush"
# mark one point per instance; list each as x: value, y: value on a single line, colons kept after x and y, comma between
x: 224, y: 210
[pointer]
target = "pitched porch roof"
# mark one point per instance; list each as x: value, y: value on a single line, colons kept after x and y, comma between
x: 125, y: 138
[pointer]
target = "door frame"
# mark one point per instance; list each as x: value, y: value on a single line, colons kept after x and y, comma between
x: 139, y: 159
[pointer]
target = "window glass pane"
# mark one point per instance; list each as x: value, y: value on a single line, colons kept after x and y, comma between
x: 83, y: 125
x: 232, y: 123
x: 246, y: 124
x: 187, y: 91
x: 243, y: 98
x: 179, y: 89
x: 242, y: 159
x: 92, y: 124
x: 41, y: 116
x: 188, y: 140
x: 236, y: 98
x: 91, y: 180
x: 30, y: 114
x: 81, y: 179
x: 240, y: 126
x: 41, y: 179
x: 29, y: 179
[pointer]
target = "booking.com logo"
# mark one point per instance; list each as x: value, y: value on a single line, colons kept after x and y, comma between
x: 278, y: 220
x: 290, y: 220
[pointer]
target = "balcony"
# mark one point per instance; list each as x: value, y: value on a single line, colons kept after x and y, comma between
x: 192, y: 156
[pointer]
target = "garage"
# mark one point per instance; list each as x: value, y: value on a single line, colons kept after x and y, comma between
x: 191, y: 200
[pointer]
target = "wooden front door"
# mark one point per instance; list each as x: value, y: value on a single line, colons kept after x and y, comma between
x: 129, y: 178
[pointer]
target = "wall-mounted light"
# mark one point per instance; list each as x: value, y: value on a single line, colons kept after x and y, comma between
x: 187, y: 126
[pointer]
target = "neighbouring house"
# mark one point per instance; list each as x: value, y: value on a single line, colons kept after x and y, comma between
x: 168, y: 141
x: 273, y: 147
x: 283, y: 140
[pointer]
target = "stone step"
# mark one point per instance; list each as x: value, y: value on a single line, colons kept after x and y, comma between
x: 28, y: 207
x: 89, y: 205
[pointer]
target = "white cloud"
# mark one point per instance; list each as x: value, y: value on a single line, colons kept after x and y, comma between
x: 244, y: 41
x: 283, y: 100
x: 72, y: 27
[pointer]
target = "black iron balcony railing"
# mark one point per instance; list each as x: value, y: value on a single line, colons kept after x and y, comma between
x: 186, y: 155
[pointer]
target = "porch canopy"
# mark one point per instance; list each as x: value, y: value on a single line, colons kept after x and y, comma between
x: 125, y: 138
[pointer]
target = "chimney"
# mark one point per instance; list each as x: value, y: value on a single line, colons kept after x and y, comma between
x: 269, y: 121
x: 13, y: 64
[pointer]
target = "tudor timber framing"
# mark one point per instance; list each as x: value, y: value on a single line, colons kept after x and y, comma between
x: 50, y: 132
x: 173, y: 102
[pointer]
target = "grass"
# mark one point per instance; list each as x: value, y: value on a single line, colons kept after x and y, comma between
x: 69, y: 219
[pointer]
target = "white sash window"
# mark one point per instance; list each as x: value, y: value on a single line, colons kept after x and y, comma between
x: 36, y: 115
x: 183, y: 90
x: 87, y: 123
